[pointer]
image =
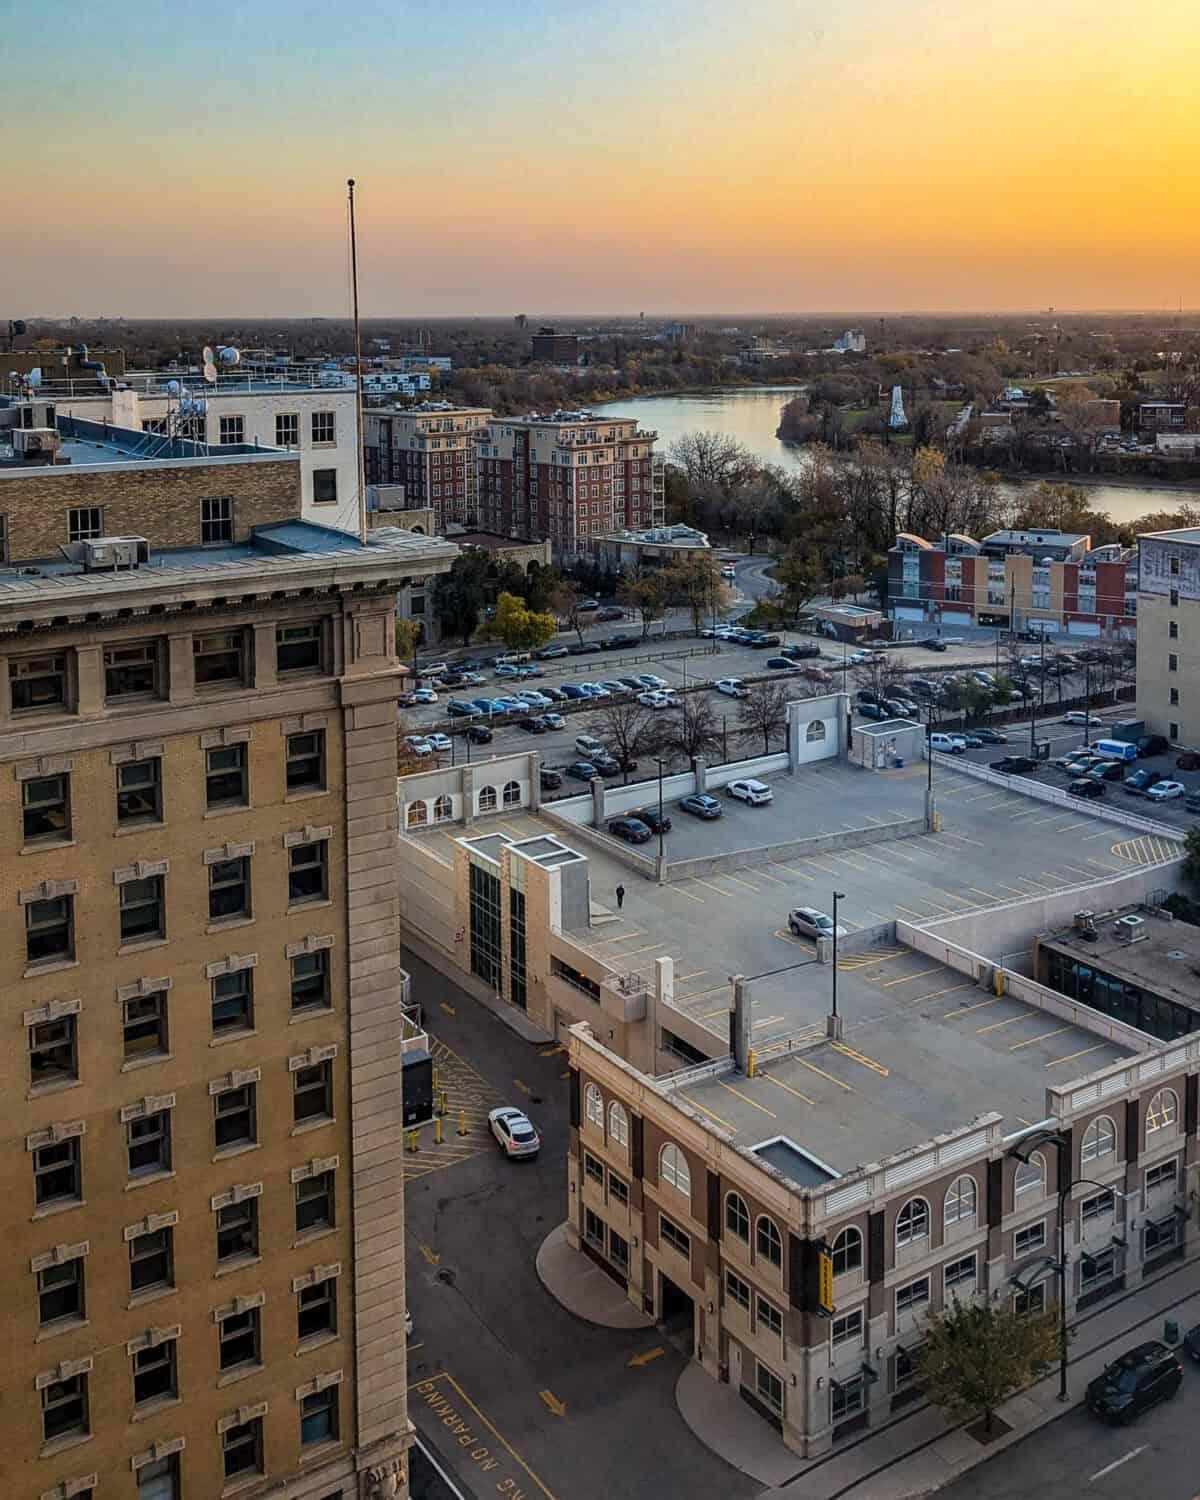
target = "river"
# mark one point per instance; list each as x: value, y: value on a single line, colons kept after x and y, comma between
x: 751, y: 415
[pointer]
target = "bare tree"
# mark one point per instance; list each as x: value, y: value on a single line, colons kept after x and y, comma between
x: 692, y: 728
x: 648, y: 595
x: 883, y: 673
x: 765, y: 711
x: 564, y: 601
x: 631, y: 730
x: 713, y: 458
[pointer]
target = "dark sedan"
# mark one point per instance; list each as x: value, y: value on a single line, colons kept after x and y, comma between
x: 1113, y: 770
x: 990, y: 736
x: 701, y: 805
x: 531, y: 726
x: 632, y: 830
x: 582, y: 770
x: 479, y: 734
x: 649, y: 816
x: 1085, y: 788
x: 1015, y: 765
x: 584, y: 648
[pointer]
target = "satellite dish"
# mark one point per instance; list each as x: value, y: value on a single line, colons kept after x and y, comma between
x: 210, y: 372
x: 229, y: 356
x: 207, y: 354
x: 173, y: 387
x: 35, y: 376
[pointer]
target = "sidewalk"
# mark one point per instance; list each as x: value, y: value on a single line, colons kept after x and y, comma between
x: 582, y: 1287
x: 919, y: 1452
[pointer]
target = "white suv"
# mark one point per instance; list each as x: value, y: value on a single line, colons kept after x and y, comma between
x: 950, y: 744
x: 588, y: 744
x: 733, y: 687
x: 754, y: 792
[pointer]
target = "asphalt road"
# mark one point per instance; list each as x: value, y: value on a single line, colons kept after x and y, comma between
x: 513, y: 1395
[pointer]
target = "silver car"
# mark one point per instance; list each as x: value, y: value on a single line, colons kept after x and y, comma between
x: 807, y: 921
x: 514, y: 1132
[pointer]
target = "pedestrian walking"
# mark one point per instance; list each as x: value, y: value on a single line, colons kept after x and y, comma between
x: 620, y: 897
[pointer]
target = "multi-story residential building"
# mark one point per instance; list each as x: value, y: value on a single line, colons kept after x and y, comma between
x: 430, y: 449
x: 1045, y: 579
x: 1162, y: 416
x: 570, y: 476
x: 204, y: 1256
x: 1168, y: 647
x: 549, y: 347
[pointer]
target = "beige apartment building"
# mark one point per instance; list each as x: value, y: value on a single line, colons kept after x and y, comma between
x: 1168, y: 648
x: 204, y: 1263
x: 430, y: 449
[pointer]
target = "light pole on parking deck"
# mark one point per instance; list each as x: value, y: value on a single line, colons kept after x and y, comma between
x: 833, y: 1026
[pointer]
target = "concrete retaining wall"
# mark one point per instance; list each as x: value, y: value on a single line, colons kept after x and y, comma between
x: 581, y: 836
x: 867, y: 938
x: 739, y: 859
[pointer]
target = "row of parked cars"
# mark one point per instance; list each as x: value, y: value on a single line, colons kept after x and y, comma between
x: 545, y: 697
x: 637, y: 827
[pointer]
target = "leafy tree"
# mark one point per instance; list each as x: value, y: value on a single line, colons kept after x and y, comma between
x: 801, y: 577
x: 650, y: 594
x: 977, y: 1354
x: 692, y: 728
x: 765, y: 711
x: 631, y: 729
x: 565, y: 603
x: 696, y: 582
x: 407, y: 633
x: 972, y: 698
x: 540, y: 583
x: 519, y: 628
x: 459, y: 596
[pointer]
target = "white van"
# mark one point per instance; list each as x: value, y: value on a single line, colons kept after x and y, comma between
x: 1115, y: 749
x: 949, y: 744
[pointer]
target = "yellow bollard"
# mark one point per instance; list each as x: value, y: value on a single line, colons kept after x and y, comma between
x: 750, y: 1063
x: 441, y: 1103
x: 462, y: 1122
x: 412, y: 1140
x: 998, y: 980
x: 437, y: 1131
x: 937, y: 822
x: 435, y: 1079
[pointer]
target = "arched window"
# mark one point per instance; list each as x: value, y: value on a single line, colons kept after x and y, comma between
x: 443, y: 810
x: 1099, y: 1139
x: 1163, y: 1111
x: 912, y: 1224
x: 815, y: 730
x: 487, y: 799
x: 673, y: 1169
x: 737, y: 1216
x: 418, y: 814
x: 512, y: 794
x: 1031, y: 1175
x: 767, y: 1241
x: 960, y: 1200
x: 618, y: 1124
x: 594, y: 1104
x: 847, y: 1252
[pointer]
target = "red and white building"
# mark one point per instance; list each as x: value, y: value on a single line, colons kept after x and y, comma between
x: 431, y: 450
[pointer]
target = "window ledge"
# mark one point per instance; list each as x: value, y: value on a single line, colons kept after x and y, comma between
x: 42, y: 846
x: 151, y: 1294
x: 239, y: 1150
x: 307, y: 1237
x: 239, y: 1372
x: 142, y: 945
x: 313, y: 904
x: 236, y: 1486
x: 305, y: 794
x: 57, y: 966
x: 224, y: 812
x: 58, y: 1086
x: 305, y: 1126
x: 146, y: 1062
x: 317, y: 1341
x: 136, y: 825
x: 48, y: 1210
x: 68, y: 1325
x: 317, y: 1452
x: 237, y: 1263
x: 309, y: 1013
x: 150, y: 1409
x: 227, y: 923
x: 137, y: 1182
x: 233, y: 1036
x: 60, y: 1445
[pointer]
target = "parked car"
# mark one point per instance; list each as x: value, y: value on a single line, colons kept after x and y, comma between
x: 588, y: 745
x: 1110, y: 770
x: 755, y: 793
x: 514, y: 1132
x: 1165, y: 791
x: 508, y: 669
x: 732, y: 687
x: 424, y: 695
x: 610, y: 612
x: 554, y: 721
x: 650, y: 816
x: 435, y: 669
x: 581, y: 770
x: 934, y: 645
x: 1071, y: 759
x: 418, y: 745
x: 555, y: 694
x: 1078, y: 716
x: 1085, y: 787
x: 649, y: 680
x: 782, y: 664
x: 584, y: 648
x: 440, y: 742
x: 1147, y: 1374
x: 984, y: 679
x: 802, y: 651
x: 531, y: 726
x: 571, y: 691
x: 1015, y: 765
x: 534, y: 698
x: 612, y: 686
x: 550, y: 780
x: 729, y: 571
x: 807, y: 921
x: 990, y: 736
x: 479, y: 734
x: 589, y: 604
x: 701, y: 805
x: 765, y: 638
x: 949, y: 744
x: 458, y: 708
x: 873, y: 711
x: 550, y: 653
x: 607, y: 765
x: 510, y: 705
x: 1152, y: 744
x: 1140, y: 781
x: 652, y: 698
x: 632, y: 830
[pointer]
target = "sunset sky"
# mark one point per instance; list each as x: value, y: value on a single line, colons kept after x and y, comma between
x: 562, y: 156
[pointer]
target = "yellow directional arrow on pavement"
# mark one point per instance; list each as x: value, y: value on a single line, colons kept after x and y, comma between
x: 524, y: 1087
x: 644, y: 1359
x: 430, y: 1255
x: 551, y: 1051
x: 556, y: 1406
x: 449, y: 1009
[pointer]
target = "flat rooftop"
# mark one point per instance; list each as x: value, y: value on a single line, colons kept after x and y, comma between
x: 86, y: 442
x: 1183, y: 534
x: 1163, y: 958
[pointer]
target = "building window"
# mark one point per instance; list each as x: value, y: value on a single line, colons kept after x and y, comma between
x: 232, y: 429
x: 316, y: 1309
x: 46, y: 809
x: 158, y: 1480
x: 737, y: 1290
x: 1030, y: 1176
x: 847, y: 1252
x: 287, y: 429
x: 768, y: 1387
x: 1174, y: 694
x: 673, y: 1169
x: 131, y: 671
x: 216, y: 522
x: 315, y: 1202
x: 1033, y: 1301
x: 38, y: 683
x: 148, y: 1144
x: 154, y: 1373
x: 912, y: 1297
x: 618, y: 1191
x: 310, y: 981
x: 671, y: 1234
x: 1163, y: 1113
x: 767, y: 1241
x: 139, y: 791
x: 235, y: 1117
x: 152, y: 1260
x: 512, y: 794
x: 237, y: 1237
x: 53, y: 1051
x: 229, y: 889
x: 1099, y: 1139
x: 737, y: 1217
x: 1173, y: 731
x: 242, y: 1445
x: 324, y: 483
x: 144, y: 1026
x: 618, y: 1250
x: 233, y: 1002
x: 50, y: 930
x: 593, y: 1228
x: 65, y: 1408
x: 486, y: 949
x: 1172, y: 662
x: 227, y: 781
x: 1029, y: 1239
x: 418, y: 814
x: 1173, y: 598
x: 487, y: 799
x: 1164, y: 1174
x: 319, y: 1417
x: 618, y: 1125
x: 58, y: 1172
x: 143, y: 909
x: 959, y: 1272
x: 1094, y: 1269
x: 1164, y: 1235
x: 298, y: 647
x: 218, y: 658
x: 324, y: 427
x: 308, y: 872
x: 960, y: 1201
x: 1099, y: 1206
x: 768, y: 1316
x: 912, y: 1224
x: 848, y: 1329
x: 60, y: 1292
x: 518, y: 975
x: 306, y: 761
x: 592, y: 1168
x: 846, y: 1398
x: 4, y: 539
x: 1173, y: 629
x: 312, y: 1092
x: 85, y: 523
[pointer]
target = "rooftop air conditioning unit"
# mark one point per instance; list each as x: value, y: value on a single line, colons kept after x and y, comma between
x: 43, y: 442
x: 1130, y: 929
x: 1084, y: 920
x: 103, y: 553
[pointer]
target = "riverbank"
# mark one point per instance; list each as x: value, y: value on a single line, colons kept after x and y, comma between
x: 725, y: 388
x: 1111, y: 481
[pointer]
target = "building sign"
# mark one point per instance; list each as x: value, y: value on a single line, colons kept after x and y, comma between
x: 1163, y: 566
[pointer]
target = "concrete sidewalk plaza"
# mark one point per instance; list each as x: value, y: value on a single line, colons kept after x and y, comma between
x: 919, y: 1452
x: 582, y: 1287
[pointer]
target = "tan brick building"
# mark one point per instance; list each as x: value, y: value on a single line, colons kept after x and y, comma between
x: 204, y: 1263
x: 1168, y: 648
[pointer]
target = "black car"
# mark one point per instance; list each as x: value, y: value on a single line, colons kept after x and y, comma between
x: 865, y: 695
x: 607, y: 765
x: 1141, y: 1378
x: 584, y: 648
x: 1086, y: 788
x: 801, y: 652
x: 635, y: 683
x: 762, y: 639
x: 782, y: 664
x: 990, y: 736
x: 632, y: 830
x: 550, y: 780
x: 617, y: 642
x: 701, y: 805
x: 934, y: 645
x: 872, y: 711
x: 649, y: 816
x: 1152, y: 744
x: 1113, y: 770
x: 582, y: 770
x: 531, y: 726
x: 1015, y: 765
x: 556, y: 695
x: 1191, y: 1342
x: 479, y: 734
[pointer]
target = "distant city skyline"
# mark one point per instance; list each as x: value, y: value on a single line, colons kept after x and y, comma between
x: 683, y: 157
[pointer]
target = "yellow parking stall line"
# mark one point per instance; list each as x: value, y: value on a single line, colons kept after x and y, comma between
x: 950, y: 989
x: 620, y: 937
x: 812, y: 1068
x: 1071, y: 1056
x: 746, y: 1099
x: 904, y: 978
x: 1042, y: 1037
x: 695, y: 1103
x: 965, y: 1010
x: 886, y: 957
x: 768, y: 1021
x: 795, y: 941
x: 859, y: 1057
x: 679, y: 891
x: 999, y: 1025
x: 787, y: 1088
x: 1105, y: 833
x: 630, y: 952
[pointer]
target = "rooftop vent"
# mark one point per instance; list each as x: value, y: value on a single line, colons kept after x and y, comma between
x: 105, y: 554
x: 1130, y: 929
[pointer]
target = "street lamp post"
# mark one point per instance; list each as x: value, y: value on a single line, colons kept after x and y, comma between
x: 659, y: 763
x: 1087, y: 702
x: 834, y: 1028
